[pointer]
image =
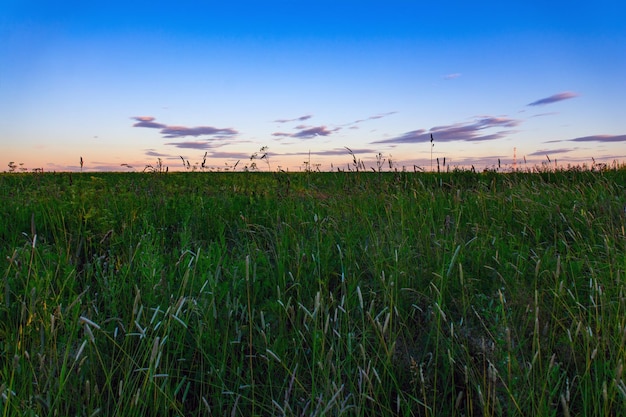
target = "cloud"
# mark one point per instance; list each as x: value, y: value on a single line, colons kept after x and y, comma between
x: 312, y: 132
x: 414, y: 136
x: 171, y: 132
x: 147, y: 121
x: 552, y: 113
x: 451, y: 76
x: 182, y: 131
x: 308, y: 133
x: 334, y: 152
x: 592, y: 138
x: 191, y: 145
x: 551, y: 151
x: 468, y: 132
x: 553, y: 98
x: 229, y: 155
x: 152, y: 152
x: 297, y: 119
x: 600, y: 138
x: 376, y: 116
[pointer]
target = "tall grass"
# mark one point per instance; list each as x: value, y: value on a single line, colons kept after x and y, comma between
x: 348, y: 293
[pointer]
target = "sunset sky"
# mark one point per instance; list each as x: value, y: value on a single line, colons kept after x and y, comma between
x: 121, y: 84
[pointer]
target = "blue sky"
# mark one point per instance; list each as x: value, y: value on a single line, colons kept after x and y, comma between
x: 124, y: 83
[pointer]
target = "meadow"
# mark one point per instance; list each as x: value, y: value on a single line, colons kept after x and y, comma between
x: 313, y: 294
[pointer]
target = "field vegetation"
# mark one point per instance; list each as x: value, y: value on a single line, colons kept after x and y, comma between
x: 311, y: 294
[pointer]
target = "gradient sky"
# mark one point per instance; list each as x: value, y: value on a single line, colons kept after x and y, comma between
x: 122, y: 84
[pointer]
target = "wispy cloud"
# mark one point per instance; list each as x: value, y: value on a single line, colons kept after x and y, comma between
x: 307, y: 133
x: 314, y: 131
x: 229, y: 155
x: 451, y: 76
x: 593, y: 138
x: 297, y: 119
x: 374, y: 117
x: 182, y: 131
x: 553, y: 98
x: 152, y: 152
x: 334, y: 152
x: 552, y: 113
x: 147, y: 121
x: 551, y: 152
x: 171, y: 132
x: 600, y: 138
x: 469, y: 132
x: 191, y: 145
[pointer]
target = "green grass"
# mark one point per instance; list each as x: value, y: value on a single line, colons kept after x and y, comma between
x: 309, y: 294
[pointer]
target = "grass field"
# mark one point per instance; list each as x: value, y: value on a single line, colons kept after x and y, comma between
x: 310, y: 294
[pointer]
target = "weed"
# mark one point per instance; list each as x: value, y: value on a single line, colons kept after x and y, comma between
x: 343, y: 293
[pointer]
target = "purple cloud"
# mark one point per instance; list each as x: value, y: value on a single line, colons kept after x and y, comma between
x: 297, y: 119
x: 376, y: 116
x: 333, y: 152
x: 152, y: 152
x: 191, y: 145
x: 600, y: 138
x: 552, y: 113
x: 553, y: 98
x: 147, y: 121
x: 344, y: 151
x: 312, y: 132
x: 230, y: 155
x: 414, y: 136
x: 307, y: 133
x: 551, y: 151
x: 468, y: 132
x: 171, y: 132
x: 182, y: 131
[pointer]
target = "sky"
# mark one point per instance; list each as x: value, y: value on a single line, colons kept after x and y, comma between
x: 123, y: 85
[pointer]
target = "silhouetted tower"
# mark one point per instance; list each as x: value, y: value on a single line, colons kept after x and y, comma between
x: 514, y: 159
